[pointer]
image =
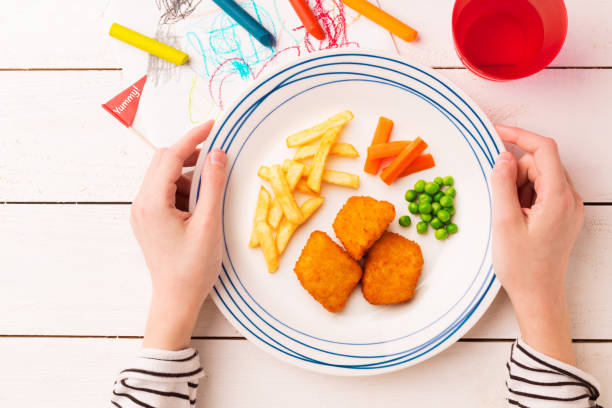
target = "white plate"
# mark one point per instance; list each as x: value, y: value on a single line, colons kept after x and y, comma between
x: 457, y: 282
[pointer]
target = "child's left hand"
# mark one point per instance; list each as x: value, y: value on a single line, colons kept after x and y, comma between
x: 182, y: 250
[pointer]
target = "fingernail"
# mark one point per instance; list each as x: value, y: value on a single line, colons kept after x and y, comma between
x: 217, y: 157
x: 505, y: 157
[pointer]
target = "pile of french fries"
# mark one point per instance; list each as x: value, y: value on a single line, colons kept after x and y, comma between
x: 277, y: 216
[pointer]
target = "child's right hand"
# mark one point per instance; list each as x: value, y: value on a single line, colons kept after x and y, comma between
x: 537, y: 215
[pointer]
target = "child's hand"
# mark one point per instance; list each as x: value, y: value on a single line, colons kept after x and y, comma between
x: 182, y: 250
x: 537, y: 216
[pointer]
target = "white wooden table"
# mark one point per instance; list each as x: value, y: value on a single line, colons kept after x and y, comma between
x: 73, y: 285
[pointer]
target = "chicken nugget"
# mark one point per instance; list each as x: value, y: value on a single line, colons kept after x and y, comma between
x: 360, y: 222
x: 327, y: 272
x: 392, y: 269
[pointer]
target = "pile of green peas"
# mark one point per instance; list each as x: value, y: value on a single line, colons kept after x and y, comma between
x: 434, y: 202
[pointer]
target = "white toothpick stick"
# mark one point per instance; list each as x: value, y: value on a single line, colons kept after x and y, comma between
x: 144, y: 139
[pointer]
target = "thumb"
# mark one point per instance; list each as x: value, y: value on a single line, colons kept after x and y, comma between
x: 210, y: 201
x: 506, y: 205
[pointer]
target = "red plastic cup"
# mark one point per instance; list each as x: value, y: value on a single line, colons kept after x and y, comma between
x: 502, y: 40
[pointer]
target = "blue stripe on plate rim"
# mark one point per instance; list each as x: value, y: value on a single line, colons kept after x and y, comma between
x: 469, y: 310
x: 277, y: 88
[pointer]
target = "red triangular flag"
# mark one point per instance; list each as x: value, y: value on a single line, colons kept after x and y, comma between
x: 124, y: 106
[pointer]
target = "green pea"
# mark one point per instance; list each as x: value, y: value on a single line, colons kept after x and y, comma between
x: 411, y: 195
x: 449, y: 181
x: 435, y: 207
x: 451, y: 210
x: 421, y: 227
x: 413, y: 208
x: 452, y: 228
x: 447, y: 201
x: 443, y: 215
x: 441, y: 234
x: 438, y: 196
x: 419, y: 186
x: 404, y: 221
x: 425, y: 198
x: 426, y: 217
x: 436, y: 223
x: 439, y: 181
x: 424, y: 208
x: 450, y: 191
x: 432, y: 188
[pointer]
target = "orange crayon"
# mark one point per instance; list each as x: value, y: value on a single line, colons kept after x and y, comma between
x: 308, y: 19
x: 382, y: 18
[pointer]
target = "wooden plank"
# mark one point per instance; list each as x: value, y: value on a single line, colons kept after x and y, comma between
x: 74, y: 35
x: 80, y: 372
x: 68, y: 34
x: 77, y: 270
x: 588, y: 41
x: 55, y: 130
x: 64, y: 147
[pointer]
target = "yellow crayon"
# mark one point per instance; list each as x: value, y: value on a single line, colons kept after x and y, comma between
x: 147, y: 44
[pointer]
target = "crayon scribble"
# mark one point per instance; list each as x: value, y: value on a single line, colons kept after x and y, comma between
x: 228, y: 54
x: 172, y: 11
x: 331, y: 15
x: 159, y: 70
x: 200, y: 109
x: 176, y: 10
x: 227, y: 41
x: 289, y: 32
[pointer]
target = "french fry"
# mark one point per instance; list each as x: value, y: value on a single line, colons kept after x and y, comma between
x: 261, y: 213
x: 303, y: 188
x: 268, y: 246
x: 276, y: 214
x: 286, y: 229
x: 317, y: 131
x: 281, y: 189
x: 287, y: 162
x: 337, y: 149
x: 294, y: 175
x: 341, y: 178
x: 318, y: 162
x: 264, y: 172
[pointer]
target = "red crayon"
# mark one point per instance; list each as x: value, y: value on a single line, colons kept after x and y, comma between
x: 308, y: 19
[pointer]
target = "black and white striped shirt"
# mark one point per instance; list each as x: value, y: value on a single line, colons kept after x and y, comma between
x: 535, y: 380
x: 169, y: 379
x: 159, y: 379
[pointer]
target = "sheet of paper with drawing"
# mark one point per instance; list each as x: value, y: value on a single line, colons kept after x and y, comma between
x: 223, y: 56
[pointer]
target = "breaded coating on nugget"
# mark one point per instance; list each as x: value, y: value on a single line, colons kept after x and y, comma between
x: 327, y: 272
x: 360, y: 222
x: 392, y: 269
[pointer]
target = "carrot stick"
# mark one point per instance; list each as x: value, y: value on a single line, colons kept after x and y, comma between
x: 403, y: 160
x: 381, y: 135
x: 423, y: 162
x: 384, y: 150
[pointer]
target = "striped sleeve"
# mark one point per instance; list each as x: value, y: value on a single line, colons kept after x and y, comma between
x: 159, y: 379
x: 537, y: 381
